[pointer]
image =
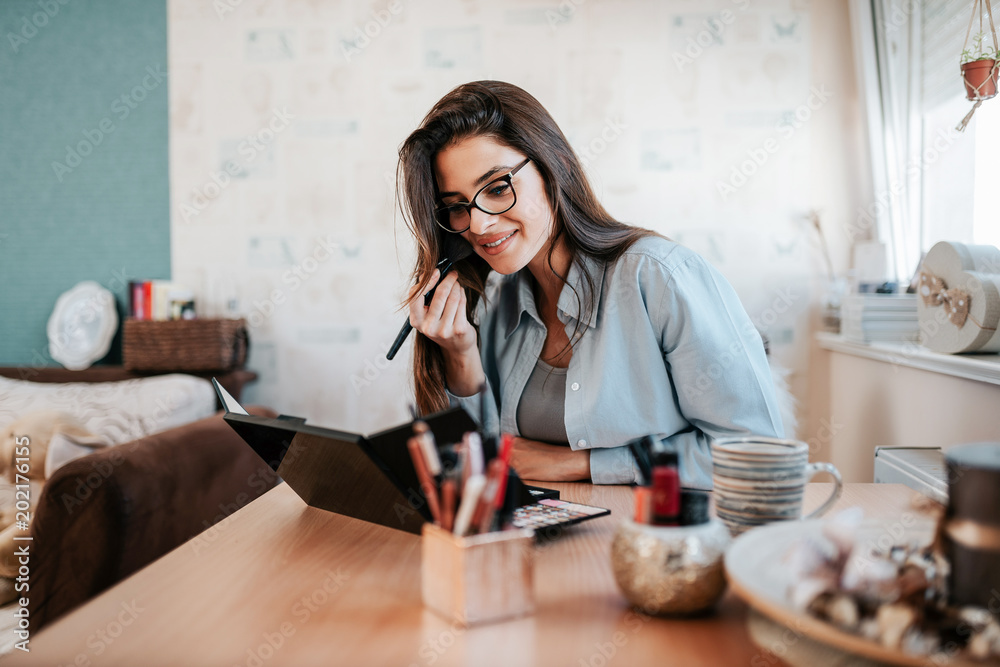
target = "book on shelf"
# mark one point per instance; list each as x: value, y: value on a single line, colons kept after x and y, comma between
x: 884, y: 326
x: 871, y: 317
x: 879, y: 316
x: 160, y: 300
x: 880, y: 337
x: 880, y: 302
x: 865, y: 334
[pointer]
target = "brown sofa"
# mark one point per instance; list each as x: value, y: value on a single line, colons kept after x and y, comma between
x: 104, y: 516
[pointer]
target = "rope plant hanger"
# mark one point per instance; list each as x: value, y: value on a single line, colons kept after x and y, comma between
x: 980, y: 64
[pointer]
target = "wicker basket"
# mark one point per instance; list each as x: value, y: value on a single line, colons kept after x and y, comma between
x: 184, y: 345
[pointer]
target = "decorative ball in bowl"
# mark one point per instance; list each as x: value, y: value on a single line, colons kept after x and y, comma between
x: 666, y: 570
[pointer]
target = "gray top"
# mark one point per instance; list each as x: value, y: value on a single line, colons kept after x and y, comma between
x: 668, y: 350
x: 541, y: 411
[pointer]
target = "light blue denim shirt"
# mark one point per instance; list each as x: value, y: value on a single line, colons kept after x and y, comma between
x: 668, y: 350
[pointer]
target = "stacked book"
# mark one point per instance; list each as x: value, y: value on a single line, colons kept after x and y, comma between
x: 867, y: 318
x: 159, y: 300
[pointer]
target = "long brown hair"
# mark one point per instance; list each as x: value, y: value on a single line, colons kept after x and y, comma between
x: 512, y: 117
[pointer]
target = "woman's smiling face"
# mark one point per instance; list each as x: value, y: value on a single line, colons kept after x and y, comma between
x: 511, y: 240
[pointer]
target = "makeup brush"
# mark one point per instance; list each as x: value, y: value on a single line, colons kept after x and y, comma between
x: 455, y: 250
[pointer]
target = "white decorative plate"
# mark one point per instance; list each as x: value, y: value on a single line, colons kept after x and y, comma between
x: 82, y: 325
x: 755, y: 572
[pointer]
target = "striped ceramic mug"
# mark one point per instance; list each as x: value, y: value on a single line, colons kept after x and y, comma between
x: 760, y: 480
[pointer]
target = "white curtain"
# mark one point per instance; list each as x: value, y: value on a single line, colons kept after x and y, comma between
x: 907, y: 59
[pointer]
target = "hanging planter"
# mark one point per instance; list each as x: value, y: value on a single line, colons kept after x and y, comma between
x: 981, y: 78
x: 980, y: 63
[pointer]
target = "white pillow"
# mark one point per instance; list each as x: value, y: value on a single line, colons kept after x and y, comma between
x: 117, y: 411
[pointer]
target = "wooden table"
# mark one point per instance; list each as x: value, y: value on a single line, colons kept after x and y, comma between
x: 280, y: 583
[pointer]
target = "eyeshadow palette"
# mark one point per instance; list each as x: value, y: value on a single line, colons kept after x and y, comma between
x: 553, y: 512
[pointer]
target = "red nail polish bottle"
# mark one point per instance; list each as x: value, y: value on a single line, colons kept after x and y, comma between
x: 666, y: 488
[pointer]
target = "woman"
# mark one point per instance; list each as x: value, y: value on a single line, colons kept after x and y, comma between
x: 588, y: 332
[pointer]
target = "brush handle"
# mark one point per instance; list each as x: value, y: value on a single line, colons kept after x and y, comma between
x: 400, y: 339
x: 444, y: 266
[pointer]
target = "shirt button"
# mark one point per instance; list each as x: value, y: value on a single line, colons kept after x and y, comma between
x: 581, y: 443
x: 575, y: 386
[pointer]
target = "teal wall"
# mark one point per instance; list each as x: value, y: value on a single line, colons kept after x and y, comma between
x: 79, y: 75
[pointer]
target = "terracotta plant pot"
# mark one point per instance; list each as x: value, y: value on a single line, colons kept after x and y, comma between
x: 980, y: 77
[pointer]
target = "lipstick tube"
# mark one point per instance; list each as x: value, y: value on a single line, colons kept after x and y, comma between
x: 666, y: 488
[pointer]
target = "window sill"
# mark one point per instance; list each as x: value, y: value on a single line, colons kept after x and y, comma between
x: 979, y: 367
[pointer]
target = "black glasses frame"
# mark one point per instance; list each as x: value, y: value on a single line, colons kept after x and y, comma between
x: 468, y: 206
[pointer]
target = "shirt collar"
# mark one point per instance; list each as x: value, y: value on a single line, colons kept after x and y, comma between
x: 524, y: 301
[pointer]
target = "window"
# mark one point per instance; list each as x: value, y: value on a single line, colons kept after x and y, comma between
x: 932, y: 182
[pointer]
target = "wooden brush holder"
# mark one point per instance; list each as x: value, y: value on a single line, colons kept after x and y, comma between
x: 480, y: 578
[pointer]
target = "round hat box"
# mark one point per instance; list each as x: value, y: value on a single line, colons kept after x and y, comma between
x: 959, y: 298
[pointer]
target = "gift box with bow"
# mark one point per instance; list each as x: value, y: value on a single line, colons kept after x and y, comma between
x: 959, y: 298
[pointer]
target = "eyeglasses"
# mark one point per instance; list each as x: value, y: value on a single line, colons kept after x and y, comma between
x: 494, y: 198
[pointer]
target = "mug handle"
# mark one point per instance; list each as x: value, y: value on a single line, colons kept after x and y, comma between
x: 838, y: 486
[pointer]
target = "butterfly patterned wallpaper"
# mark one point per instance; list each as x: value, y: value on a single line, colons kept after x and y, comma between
x: 720, y: 124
